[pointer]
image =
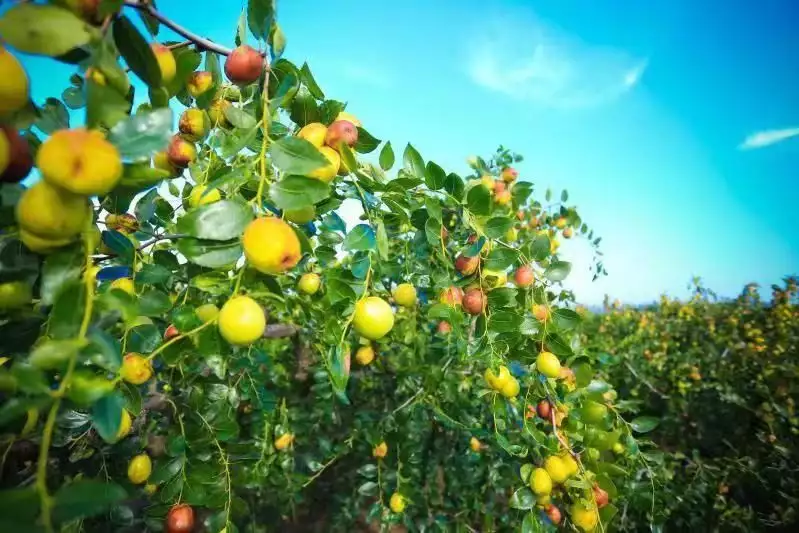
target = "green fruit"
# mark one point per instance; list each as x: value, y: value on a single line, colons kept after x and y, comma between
x: 593, y: 412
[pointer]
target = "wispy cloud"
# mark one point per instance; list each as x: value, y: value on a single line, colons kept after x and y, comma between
x: 367, y: 74
x: 764, y: 138
x: 528, y: 59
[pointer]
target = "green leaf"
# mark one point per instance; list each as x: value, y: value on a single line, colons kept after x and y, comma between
x: 501, y: 258
x: 103, y: 350
x: 540, y: 247
x: 107, y: 416
x: 137, y: 52
x: 309, y: 81
x: 53, y: 116
x: 434, y: 176
x: 454, y: 186
x: 86, y: 387
x: 297, y: 192
x: 67, y: 312
x: 520, y: 192
x: 382, y: 240
x: 566, y: 318
x: 644, y: 424
x: 368, y: 489
x: 478, y: 200
x: 362, y: 237
x: 43, y: 29
x: 496, y: 227
x: 60, y: 268
x: 105, y: 106
x: 304, y: 108
x: 120, y: 245
x: 564, y: 196
x: 293, y: 155
x: 210, y: 254
x: 85, y: 498
x: 140, y: 176
x: 366, y: 142
x: 54, y: 354
x: 387, y: 156
x: 19, y: 509
x: 13, y: 408
x: 154, y: 303
x: 260, y: 14
x: 143, y: 134
x: 558, y: 271
x: 505, y: 321
x: 413, y: 162
x: 523, y: 499
x: 239, y: 118
x: 219, y: 221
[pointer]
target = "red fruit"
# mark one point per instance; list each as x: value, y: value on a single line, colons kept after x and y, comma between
x: 451, y: 296
x: 171, y: 332
x: 444, y: 327
x: 600, y: 497
x: 20, y: 160
x: 467, y: 265
x: 544, y: 409
x: 444, y: 233
x: 499, y: 186
x: 510, y: 174
x: 472, y: 238
x: 503, y: 198
x: 244, y: 65
x: 554, y: 514
x: 520, y: 214
x: 180, y: 519
x: 524, y: 276
x: 341, y: 131
x: 180, y: 152
x: 474, y: 301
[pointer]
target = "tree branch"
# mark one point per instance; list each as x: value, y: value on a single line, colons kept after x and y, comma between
x: 193, y: 37
x: 277, y: 331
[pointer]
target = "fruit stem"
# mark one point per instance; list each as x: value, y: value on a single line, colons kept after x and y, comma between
x: 226, y: 464
x: 265, y: 142
x: 173, y: 340
x: 49, y: 426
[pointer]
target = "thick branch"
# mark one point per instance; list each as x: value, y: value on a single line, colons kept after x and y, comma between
x: 277, y: 331
x: 193, y: 37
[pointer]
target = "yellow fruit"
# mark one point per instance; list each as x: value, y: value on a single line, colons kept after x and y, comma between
x: 556, y: 469
x: 554, y: 244
x: 381, y: 450
x: 51, y: 213
x: 216, y: 112
x: 309, y: 283
x: 541, y: 312
x: 560, y: 223
x: 136, y: 369
x: 511, y: 235
x: 475, y: 445
x: 207, y: 312
x: 540, y: 482
x: 194, y: 124
x: 242, y: 321
x: 365, y: 355
x: 41, y: 245
x: 150, y: 488
x: 80, y: 161
x: 125, y: 285
x: 270, y: 245
x: 161, y: 162
x: 349, y: 117
x: 14, y: 294
x: 314, y: 133
x: 488, y: 182
x: 405, y: 295
x: 618, y: 448
x: 180, y: 153
x: 199, y: 197
x: 373, y: 318
x: 139, y: 469
x: 14, y: 87
x: 511, y: 388
x: 584, y: 517
x: 548, y: 364
x: 497, y: 382
x: 124, y: 425
x: 284, y: 441
x: 166, y: 62
x: 199, y: 82
x: 397, y: 502
x: 543, y: 500
x: 328, y: 172
x: 572, y: 468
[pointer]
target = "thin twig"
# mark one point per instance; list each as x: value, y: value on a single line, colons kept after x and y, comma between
x: 177, y: 28
x: 645, y: 382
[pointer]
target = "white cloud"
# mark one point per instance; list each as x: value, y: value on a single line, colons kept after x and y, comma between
x: 527, y: 59
x: 767, y: 138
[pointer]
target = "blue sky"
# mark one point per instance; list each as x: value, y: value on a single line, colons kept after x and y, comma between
x: 671, y: 123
